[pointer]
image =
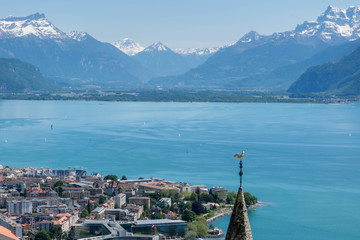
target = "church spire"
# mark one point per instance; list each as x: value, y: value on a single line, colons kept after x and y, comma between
x: 239, y: 226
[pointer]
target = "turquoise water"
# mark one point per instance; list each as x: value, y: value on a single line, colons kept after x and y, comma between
x: 302, y: 159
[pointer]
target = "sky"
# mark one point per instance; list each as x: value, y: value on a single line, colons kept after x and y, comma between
x: 176, y: 23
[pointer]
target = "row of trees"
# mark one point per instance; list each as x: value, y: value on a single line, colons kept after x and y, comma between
x: 249, y: 199
x: 55, y: 233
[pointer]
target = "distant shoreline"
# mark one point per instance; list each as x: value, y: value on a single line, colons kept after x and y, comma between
x: 153, y: 95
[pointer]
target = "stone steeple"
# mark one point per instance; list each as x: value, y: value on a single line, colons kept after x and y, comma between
x: 239, y: 226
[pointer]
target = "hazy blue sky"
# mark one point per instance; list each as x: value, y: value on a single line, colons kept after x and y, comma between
x: 177, y: 23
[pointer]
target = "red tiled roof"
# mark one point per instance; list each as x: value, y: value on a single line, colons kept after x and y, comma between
x: 7, y: 233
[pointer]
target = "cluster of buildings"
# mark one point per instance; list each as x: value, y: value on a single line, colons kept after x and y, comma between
x: 33, y: 199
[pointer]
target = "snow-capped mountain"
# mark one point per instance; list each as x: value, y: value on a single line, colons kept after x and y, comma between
x: 157, y: 47
x: 334, y: 26
x: 78, y: 36
x: 274, y: 61
x: 128, y: 46
x: 36, y: 25
x: 75, y: 58
x: 197, y: 51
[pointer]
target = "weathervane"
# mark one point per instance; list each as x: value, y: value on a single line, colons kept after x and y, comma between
x: 241, y: 172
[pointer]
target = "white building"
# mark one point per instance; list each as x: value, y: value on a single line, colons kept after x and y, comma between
x: 120, y: 199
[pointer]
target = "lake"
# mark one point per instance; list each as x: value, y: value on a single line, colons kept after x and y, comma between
x: 301, y: 159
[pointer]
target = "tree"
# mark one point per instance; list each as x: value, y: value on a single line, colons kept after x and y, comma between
x: 188, y: 215
x: 111, y: 177
x: 25, y: 193
x: 55, y: 232
x: 190, y: 235
x: 200, y: 227
x: 84, y: 213
x: 205, y: 197
x: 197, y: 208
x: 231, y: 197
x: 42, y: 235
x: 71, y: 234
x: 102, y: 199
x: 124, y: 178
x: 117, y: 206
x: 249, y: 199
x: 194, y: 197
x: 58, y: 184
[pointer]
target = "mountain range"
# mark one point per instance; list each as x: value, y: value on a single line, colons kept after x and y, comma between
x: 70, y: 59
x: 340, y: 78
x: 256, y: 62
x: 272, y: 62
x: 161, y: 59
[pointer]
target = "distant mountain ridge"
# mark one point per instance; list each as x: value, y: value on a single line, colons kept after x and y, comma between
x: 18, y: 76
x: 35, y: 24
x: 75, y: 58
x: 342, y: 77
x: 162, y: 60
x: 249, y: 62
x: 128, y: 46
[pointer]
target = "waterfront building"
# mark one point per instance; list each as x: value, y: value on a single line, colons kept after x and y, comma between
x: 202, y: 188
x: 220, y: 191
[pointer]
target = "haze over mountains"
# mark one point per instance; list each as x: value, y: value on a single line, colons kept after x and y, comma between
x: 256, y: 62
x: 162, y: 60
x: 272, y: 62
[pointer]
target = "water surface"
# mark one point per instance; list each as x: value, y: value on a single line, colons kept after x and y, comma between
x: 303, y: 159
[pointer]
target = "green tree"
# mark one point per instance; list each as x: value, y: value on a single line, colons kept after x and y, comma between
x: 111, y: 177
x: 231, y: 197
x: 58, y: 184
x: 117, y: 206
x: 250, y: 199
x: 201, y: 226
x: 42, y: 235
x: 194, y: 197
x: 84, y: 213
x: 124, y: 178
x: 102, y: 199
x: 197, y: 208
x: 25, y: 193
x: 188, y: 216
x: 190, y: 235
x: 71, y: 234
x: 55, y: 232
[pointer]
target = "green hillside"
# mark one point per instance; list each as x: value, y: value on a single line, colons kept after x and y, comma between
x: 18, y: 76
x: 341, y: 78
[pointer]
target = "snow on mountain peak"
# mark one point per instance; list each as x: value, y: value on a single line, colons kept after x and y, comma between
x: 35, y: 24
x: 335, y: 25
x: 78, y: 36
x: 128, y: 46
x: 197, y: 51
x: 158, y: 46
x: 250, y: 37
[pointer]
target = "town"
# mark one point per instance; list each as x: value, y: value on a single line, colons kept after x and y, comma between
x: 37, y: 203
